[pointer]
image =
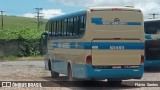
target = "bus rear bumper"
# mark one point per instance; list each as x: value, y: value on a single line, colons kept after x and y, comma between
x: 89, y: 72
x: 114, y: 73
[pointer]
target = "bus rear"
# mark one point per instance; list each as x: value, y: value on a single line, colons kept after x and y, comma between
x: 117, y: 43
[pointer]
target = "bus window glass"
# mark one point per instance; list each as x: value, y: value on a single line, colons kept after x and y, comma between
x: 152, y: 50
x: 82, y: 24
x: 152, y: 27
x: 76, y: 25
x: 59, y: 29
x: 62, y: 27
x: 65, y: 27
x: 70, y: 29
x: 51, y: 27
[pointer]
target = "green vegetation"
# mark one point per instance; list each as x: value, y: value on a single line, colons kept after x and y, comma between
x: 14, y: 58
x: 18, y: 22
x: 29, y: 48
x: 8, y: 57
x: 16, y: 33
x: 21, y: 27
x: 24, y: 30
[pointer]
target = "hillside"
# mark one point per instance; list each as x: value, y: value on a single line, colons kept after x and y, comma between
x: 17, y: 22
x: 15, y: 27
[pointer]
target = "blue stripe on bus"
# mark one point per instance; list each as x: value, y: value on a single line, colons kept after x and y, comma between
x: 148, y: 36
x: 99, y: 45
x: 133, y: 23
x: 72, y: 45
x: 99, y: 21
x: 55, y: 44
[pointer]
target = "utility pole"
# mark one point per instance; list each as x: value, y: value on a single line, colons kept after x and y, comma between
x: 154, y: 15
x: 2, y: 17
x: 39, y: 16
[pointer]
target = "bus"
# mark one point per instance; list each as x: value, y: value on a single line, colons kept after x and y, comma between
x: 152, y: 43
x: 96, y: 43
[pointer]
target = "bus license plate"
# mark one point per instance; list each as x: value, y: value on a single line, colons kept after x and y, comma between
x: 116, y: 67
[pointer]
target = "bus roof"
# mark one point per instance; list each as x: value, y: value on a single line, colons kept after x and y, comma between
x: 68, y: 15
x: 153, y: 19
x: 125, y: 8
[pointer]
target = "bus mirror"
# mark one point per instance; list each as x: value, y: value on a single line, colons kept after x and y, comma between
x: 43, y: 40
x: 45, y: 33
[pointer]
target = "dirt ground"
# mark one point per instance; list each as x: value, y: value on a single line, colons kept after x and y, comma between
x: 34, y: 71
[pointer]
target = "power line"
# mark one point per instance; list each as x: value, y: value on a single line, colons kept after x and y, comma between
x: 2, y: 17
x: 39, y: 16
x: 154, y: 14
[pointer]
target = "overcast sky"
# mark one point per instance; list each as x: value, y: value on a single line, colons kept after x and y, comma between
x: 57, y: 7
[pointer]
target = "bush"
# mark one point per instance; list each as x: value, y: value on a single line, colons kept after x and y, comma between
x: 15, y: 33
x: 29, y: 48
x: 28, y: 37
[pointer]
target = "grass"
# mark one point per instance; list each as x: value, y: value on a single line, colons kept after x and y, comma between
x: 15, y: 58
x: 20, y: 22
x: 31, y: 58
x: 8, y: 58
x: 15, y: 27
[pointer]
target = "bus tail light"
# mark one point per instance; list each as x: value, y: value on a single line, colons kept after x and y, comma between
x: 142, y: 59
x: 89, y: 59
x: 116, y: 9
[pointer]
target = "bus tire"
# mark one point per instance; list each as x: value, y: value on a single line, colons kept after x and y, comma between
x: 49, y: 65
x: 53, y: 73
x: 114, y: 82
x: 69, y: 77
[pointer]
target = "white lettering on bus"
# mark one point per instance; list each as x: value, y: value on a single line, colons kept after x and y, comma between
x: 116, y: 47
x: 114, y: 23
x: 65, y: 45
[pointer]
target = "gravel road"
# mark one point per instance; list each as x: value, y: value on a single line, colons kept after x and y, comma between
x: 34, y: 71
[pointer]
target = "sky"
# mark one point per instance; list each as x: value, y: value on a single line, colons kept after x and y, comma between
x: 51, y: 8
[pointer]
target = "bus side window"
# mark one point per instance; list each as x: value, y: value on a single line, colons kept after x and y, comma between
x: 65, y: 27
x: 50, y: 29
x: 82, y: 24
x: 76, y: 26
x: 59, y: 29
x: 71, y: 27
x: 62, y: 27
x: 68, y: 27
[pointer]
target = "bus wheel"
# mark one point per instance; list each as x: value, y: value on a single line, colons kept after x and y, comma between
x: 114, y: 82
x: 69, y: 77
x: 54, y: 74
